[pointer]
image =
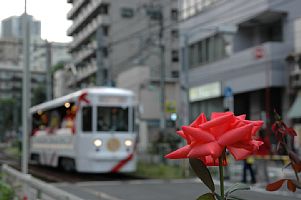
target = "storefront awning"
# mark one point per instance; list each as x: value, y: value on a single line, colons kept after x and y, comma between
x: 295, y: 110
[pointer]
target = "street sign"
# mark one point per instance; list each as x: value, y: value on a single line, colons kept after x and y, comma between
x: 259, y: 52
x: 228, y: 99
x: 228, y: 92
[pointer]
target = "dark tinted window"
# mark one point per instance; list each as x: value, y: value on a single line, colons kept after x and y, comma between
x: 112, y: 119
x: 87, y: 118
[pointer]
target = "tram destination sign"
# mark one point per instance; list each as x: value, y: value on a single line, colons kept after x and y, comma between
x: 113, y: 99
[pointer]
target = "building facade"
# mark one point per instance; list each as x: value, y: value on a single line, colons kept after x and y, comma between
x: 12, y: 27
x: 135, y: 45
x: 11, y: 93
x: 10, y: 50
x: 244, y: 66
x: 129, y: 37
x: 42, y: 55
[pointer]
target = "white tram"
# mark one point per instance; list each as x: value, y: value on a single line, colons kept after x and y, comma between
x: 91, y: 130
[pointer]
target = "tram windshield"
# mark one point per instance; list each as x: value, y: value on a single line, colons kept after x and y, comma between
x: 112, y: 119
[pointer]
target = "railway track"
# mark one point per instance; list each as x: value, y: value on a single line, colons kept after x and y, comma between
x: 54, y: 175
x: 51, y: 174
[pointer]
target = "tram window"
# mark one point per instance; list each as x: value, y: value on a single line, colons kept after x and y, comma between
x: 112, y: 119
x: 87, y: 118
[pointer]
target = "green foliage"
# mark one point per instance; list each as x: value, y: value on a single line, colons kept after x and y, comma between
x: 234, y: 198
x: 6, y: 118
x: 158, y: 171
x: 58, y: 66
x: 235, y: 187
x: 207, y: 196
x: 38, y: 95
x: 13, y: 151
x: 202, y: 172
x: 6, y: 192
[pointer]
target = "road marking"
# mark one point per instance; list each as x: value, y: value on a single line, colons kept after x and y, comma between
x: 257, y: 188
x: 100, y: 195
x: 131, y: 182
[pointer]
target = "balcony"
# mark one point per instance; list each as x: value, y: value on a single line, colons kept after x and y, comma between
x: 246, y: 70
x: 295, y: 76
x: 85, y: 53
x: 89, y: 30
x: 86, y: 14
x: 75, y: 9
x: 85, y: 72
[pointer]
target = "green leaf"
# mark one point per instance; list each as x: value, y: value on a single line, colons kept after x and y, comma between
x: 234, y: 198
x: 207, y: 196
x: 218, y: 197
x: 236, y: 186
x: 202, y: 172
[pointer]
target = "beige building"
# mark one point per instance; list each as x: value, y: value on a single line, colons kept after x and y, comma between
x: 130, y: 37
x: 147, y: 90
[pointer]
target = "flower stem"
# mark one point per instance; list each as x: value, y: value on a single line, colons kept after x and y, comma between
x: 297, y: 177
x: 287, y: 150
x: 221, y: 176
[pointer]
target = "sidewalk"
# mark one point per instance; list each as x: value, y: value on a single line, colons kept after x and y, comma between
x: 275, y: 172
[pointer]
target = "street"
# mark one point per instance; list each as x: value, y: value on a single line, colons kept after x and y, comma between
x: 162, y: 190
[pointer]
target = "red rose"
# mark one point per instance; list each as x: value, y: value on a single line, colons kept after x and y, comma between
x: 206, y: 140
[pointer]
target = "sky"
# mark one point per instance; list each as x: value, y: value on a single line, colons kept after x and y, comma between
x: 51, y: 13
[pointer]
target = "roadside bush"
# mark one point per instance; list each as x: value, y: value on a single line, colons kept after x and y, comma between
x: 6, y: 192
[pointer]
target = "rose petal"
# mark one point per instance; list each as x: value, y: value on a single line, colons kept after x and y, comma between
x: 181, y: 133
x: 243, y: 145
x: 217, y: 131
x: 210, y: 161
x: 217, y: 121
x: 256, y: 144
x: 179, y: 153
x: 198, y: 134
x: 219, y: 114
x: 239, y: 153
x: 200, y: 120
x: 241, y: 117
x: 200, y: 150
x: 235, y: 135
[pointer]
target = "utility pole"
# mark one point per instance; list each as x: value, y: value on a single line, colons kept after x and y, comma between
x: 26, y: 91
x: 48, y: 71
x: 102, y: 71
x: 184, y: 82
x: 162, y: 60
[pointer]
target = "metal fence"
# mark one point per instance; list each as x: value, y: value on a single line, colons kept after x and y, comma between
x: 30, y: 188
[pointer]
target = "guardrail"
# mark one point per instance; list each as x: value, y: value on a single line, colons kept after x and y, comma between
x: 28, y: 187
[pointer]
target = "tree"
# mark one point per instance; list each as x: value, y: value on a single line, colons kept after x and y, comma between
x: 38, y: 95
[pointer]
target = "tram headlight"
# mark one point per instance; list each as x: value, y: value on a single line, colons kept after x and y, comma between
x: 128, y: 143
x: 97, y: 143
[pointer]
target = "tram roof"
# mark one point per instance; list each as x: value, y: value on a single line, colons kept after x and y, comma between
x: 72, y: 97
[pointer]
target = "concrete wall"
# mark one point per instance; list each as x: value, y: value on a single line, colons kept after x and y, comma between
x: 242, y: 71
x: 141, y: 48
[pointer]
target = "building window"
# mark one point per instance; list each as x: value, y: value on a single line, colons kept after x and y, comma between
x: 105, y: 52
x: 174, y: 14
x: 87, y: 119
x: 174, y: 33
x: 104, y: 9
x: 207, y: 50
x: 105, y: 30
x: 175, y: 73
x: 175, y: 56
x: 192, y: 7
x: 127, y: 12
